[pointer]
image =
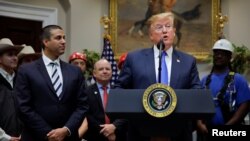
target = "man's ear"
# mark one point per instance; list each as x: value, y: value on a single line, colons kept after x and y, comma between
x: 150, y: 36
x: 231, y: 59
x: 45, y: 42
x: 94, y: 73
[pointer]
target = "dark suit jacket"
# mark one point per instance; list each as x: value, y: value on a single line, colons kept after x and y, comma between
x: 40, y: 108
x: 139, y: 73
x: 96, y: 117
x: 9, y: 120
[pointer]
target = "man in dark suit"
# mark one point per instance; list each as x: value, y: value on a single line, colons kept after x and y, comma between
x: 101, y: 128
x: 50, y: 93
x: 140, y: 69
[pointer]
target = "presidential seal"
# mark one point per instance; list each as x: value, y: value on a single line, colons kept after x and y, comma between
x: 159, y: 100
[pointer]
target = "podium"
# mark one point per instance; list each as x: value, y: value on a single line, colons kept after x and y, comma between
x: 192, y: 104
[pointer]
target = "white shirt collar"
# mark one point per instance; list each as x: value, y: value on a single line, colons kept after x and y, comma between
x: 47, y: 60
x: 169, y: 62
x: 7, y: 76
x: 169, y: 51
x: 100, y: 85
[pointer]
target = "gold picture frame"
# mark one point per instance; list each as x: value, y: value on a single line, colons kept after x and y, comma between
x: 121, y: 38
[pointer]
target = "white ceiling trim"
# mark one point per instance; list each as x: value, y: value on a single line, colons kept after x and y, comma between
x: 23, y: 11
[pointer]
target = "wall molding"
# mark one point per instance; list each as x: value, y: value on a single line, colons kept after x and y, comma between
x: 29, y: 12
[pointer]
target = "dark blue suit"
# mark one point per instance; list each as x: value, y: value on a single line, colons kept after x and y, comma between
x: 139, y: 73
x: 40, y: 108
x: 96, y: 117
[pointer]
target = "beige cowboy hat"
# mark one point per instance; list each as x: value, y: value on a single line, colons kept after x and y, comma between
x: 28, y: 51
x: 7, y: 45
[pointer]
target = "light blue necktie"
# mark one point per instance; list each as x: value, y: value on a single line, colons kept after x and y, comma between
x: 55, y: 79
x: 164, y: 69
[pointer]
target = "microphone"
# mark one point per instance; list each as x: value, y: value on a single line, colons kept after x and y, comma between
x: 160, y: 45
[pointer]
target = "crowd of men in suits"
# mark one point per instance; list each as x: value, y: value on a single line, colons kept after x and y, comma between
x: 43, y: 98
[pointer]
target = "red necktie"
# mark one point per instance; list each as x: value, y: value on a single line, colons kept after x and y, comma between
x: 105, y: 100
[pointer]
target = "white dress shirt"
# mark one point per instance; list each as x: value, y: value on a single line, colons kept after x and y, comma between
x: 4, y: 136
x: 7, y: 76
x: 168, y: 60
x: 101, y: 91
x: 47, y: 62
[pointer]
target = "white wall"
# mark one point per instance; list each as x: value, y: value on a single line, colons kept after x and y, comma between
x: 45, y: 3
x: 237, y: 29
x: 86, y: 30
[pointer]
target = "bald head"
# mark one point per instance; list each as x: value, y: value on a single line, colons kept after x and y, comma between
x: 101, y: 62
x: 102, y: 71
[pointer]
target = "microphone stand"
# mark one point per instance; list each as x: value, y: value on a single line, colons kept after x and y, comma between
x: 160, y: 47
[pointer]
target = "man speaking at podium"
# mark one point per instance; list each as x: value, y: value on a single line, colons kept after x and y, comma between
x: 178, y: 69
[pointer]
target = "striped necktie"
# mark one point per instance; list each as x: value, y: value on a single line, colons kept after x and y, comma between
x: 55, y: 79
x: 164, y: 69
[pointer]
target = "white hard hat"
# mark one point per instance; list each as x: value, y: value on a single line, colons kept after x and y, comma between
x: 223, y: 44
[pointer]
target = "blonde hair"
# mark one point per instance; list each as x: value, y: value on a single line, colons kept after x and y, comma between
x: 167, y: 15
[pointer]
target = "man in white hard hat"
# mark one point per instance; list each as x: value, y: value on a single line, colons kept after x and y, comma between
x: 229, y: 90
x: 223, y: 44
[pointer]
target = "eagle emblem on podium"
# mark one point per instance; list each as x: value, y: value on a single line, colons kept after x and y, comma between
x: 159, y: 100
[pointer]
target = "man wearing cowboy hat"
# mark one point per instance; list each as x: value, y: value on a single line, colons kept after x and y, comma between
x: 9, y: 122
x: 27, y: 55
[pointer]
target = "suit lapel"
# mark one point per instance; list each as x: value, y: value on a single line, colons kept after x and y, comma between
x: 97, y: 95
x: 5, y: 82
x: 148, y: 62
x: 175, y: 66
x: 45, y: 74
x: 65, y: 75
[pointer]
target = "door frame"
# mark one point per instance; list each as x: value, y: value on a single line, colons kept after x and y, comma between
x: 24, y: 11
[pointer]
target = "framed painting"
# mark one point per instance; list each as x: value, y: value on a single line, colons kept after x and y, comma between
x: 196, y: 32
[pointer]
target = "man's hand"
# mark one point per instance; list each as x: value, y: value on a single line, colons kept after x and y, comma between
x: 15, y: 139
x: 57, y: 134
x: 201, y: 127
x: 107, y: 129
x: 112, y: 137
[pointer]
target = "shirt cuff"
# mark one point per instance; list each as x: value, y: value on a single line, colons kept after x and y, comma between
x: 69, y: 133
x: 7, y: 137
